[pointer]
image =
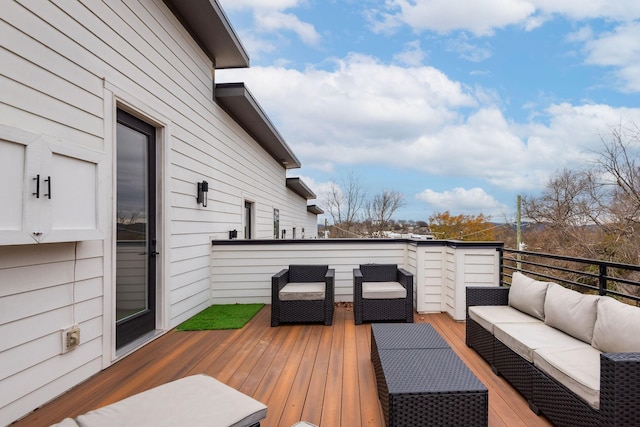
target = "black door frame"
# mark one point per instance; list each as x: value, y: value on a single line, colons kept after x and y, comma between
x: 143, y: 322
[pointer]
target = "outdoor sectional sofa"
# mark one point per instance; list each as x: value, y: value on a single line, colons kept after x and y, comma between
x: 574, y: 357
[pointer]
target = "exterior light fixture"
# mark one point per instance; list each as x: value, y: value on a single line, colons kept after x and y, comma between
x: 203, y: 189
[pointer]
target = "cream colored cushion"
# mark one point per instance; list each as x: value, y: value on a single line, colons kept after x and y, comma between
x: 525, y: 338
x: 383, y: 290
x: 578, y: 369
x: 527, y: 295
x: 489, y: 315
x: 302, y: 291
x: 67, y: 422
x: 571, y: 312
x: 617, y: 328
x: 198, y: 400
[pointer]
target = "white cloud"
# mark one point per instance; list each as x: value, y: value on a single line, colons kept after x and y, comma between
x: 259, y: 4
x: 482, y: 18
x: 621, y: 49
x: 269, y: 17
x: 412, y: 55
x: 417, y: 119
x: 443, y: 16
x: 460, y: 200
x: 278, y: 21
x: 468, y: 50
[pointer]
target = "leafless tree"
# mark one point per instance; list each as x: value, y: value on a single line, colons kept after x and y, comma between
x: 382, y: 207
x: 344, y: 203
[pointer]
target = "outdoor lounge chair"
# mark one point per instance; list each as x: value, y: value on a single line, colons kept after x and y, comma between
x: 301, y: 294
x: 197, y: 400
x: 382, y: 292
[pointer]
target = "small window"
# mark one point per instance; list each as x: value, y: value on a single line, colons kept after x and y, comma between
x: 276, y: 224
x: 248, y: 220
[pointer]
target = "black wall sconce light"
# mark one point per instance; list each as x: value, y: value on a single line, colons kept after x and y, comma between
x: 233, y: 234
x: 203, y: 190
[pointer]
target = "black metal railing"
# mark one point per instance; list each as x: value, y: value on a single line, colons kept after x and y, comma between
x: 585, y: 275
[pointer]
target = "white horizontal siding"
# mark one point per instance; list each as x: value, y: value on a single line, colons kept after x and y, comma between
x: 39, y: 298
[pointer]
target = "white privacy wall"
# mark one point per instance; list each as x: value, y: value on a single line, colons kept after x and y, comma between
x: 241, y: 271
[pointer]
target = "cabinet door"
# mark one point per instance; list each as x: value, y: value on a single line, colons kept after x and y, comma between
x: 72, y: 188
x: 17, y: 187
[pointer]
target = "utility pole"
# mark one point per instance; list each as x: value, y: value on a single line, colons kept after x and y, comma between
x: 518, y: 233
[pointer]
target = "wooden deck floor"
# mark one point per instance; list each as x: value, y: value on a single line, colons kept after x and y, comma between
x: 301, y: 372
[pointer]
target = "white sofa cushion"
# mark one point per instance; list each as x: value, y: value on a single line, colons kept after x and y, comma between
x: 198, y: 400
x: 302, y: 291
x: 617, y: 328
x: 571, y: 312
x: 578, y: 369
x: 525, y: 338
x: 527, y: 295
x: 489, y: 315
x: 383, y: 290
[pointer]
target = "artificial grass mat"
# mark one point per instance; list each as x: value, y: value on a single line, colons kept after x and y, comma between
x: 221, y: 316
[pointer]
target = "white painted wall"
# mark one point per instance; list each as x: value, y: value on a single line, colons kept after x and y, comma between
x: 241, y: 271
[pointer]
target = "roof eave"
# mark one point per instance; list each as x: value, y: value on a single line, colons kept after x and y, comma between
x: 300, y: 188
x: 240, y: 104
x: 209, y: 26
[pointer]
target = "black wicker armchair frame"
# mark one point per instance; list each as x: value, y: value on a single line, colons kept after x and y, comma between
x: 619, y: 376
x: 381, y: 310
x: 303, y: 311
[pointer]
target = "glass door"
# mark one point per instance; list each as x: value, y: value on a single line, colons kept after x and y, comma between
x: 135, y: 228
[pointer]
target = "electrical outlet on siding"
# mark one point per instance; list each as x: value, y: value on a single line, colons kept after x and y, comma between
x: 70, y: 338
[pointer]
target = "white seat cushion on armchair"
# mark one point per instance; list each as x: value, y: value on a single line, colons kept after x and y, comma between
x: 303, y: 291
x: 383, y: 290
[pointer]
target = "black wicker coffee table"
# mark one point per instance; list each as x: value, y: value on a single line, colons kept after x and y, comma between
x: 421, y: 381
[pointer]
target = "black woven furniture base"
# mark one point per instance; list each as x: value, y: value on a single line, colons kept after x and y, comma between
x: 382, y: 310
x: 303, y: 311
x: 513, y: 368
x: 561, y: 405
x: 422, y: 382
x: 481, y: 340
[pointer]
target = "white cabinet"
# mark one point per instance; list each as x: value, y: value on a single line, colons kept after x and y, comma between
x: 49, y: 191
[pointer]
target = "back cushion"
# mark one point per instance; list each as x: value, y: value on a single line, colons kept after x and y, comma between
x: 379, y: 272
x: 617, y: 328
x: 307, y: 273
x: 527, y: 295
x: 571, y: 312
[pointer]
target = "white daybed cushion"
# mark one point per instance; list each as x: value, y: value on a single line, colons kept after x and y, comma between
x: 198, y: 400
x: 617, y: 328
x: 489, y: 315
x: 525, y: 338
x: 67, y: 422
x: 383, y: 290
x: 578, y: 369
x: 571, y: 312
x: 527, y: 295
x: 302, y: 291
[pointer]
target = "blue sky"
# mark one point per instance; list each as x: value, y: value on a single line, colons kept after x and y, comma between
x: 461, y: 105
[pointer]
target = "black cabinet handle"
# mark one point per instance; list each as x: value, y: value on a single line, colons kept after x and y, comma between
x: 37, y: 180
x: 48, y: 181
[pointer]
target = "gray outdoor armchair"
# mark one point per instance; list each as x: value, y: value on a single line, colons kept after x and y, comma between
x: 303, y: 294
x: 382, y: 292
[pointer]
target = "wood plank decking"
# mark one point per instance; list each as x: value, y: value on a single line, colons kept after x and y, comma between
x: 315, y: 373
